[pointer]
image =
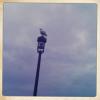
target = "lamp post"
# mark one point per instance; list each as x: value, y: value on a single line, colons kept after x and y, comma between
x: 40, y: 49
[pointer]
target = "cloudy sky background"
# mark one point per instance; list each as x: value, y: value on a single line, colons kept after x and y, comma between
x: 68, y: 66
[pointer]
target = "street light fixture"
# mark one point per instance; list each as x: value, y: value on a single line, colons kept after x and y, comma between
x: 40, y: 49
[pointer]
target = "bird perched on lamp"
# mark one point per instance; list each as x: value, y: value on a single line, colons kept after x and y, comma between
x: 41, y: 41
x: 42, y: 32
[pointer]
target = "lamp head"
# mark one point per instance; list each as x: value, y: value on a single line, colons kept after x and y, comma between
x: 41, y: 44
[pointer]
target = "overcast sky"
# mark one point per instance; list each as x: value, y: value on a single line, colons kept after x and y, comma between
x: 68, y: 66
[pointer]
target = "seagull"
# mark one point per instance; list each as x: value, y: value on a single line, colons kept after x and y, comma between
x: 42, y: 32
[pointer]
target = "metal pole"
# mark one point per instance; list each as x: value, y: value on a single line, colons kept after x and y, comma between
x: 37, y: 75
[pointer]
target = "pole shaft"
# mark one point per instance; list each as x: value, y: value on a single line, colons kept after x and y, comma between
x: 37, y: 75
